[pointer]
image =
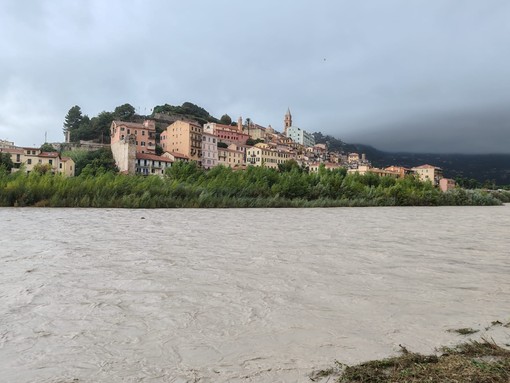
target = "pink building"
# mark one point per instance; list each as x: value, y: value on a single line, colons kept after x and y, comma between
x: 227, y: 133
x: 446, y: 184
x: 144, y: 134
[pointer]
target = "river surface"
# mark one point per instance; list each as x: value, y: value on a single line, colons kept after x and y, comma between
x: 240, y: 295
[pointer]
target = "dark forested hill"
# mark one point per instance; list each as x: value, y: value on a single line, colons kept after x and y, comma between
x: 484, y: 168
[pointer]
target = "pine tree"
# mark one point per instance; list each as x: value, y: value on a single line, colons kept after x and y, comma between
x: 73, y: 119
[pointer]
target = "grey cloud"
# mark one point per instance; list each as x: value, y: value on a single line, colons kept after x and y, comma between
x: 356, y: 70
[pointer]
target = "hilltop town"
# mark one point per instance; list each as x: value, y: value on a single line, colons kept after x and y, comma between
x: 138, y: 148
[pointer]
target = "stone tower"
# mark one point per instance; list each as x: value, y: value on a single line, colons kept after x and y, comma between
x: 240, y: 124
x: 287, y: 121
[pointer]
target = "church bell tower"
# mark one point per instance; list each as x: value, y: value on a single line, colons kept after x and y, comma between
x: 287, y: 121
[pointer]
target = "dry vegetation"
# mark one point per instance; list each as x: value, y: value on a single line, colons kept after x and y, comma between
x: 473, y: 362
x: 480, y: 361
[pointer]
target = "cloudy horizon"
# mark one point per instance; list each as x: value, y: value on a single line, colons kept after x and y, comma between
x: 422, y: 76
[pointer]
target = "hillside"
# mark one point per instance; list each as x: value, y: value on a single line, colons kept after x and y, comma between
x: 491, y: 168
x: 484, y: 168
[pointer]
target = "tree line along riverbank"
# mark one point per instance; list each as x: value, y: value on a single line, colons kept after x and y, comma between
x: 186, y: 185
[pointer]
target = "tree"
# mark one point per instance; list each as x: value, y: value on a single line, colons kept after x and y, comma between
x: 97, y: 162
x: 73, y: 119
x: 159, y: 150
x: 100, y: 126
x: 6, y: 162
x: 290, y: 165
x: 42, y: 169
x: 225, y: 119
x: 47, y: 148
x: 252, y: 142
x: 124, y: 112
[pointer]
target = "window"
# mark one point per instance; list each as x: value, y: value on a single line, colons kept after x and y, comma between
x: 60, y: 165
x: 129, y: 131
x: 143, y: 143
x: 29, y: 161
x: 143, y: 132
x: 51, y: 162
x: 121, y: 129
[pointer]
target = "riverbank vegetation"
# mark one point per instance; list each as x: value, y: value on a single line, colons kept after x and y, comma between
x: 472, y: 362
x: 187, y: 185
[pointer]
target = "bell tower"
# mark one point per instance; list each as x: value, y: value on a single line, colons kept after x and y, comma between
x: 287, y: 121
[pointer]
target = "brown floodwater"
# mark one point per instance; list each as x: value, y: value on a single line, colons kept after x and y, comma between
x: 241, y: 295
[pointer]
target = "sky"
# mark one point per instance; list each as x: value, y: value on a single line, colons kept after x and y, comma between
x: 400, y: 75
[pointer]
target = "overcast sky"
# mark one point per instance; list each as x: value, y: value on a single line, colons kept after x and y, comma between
x: 401, y: 75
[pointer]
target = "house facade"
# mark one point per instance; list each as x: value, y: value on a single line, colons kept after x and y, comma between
x: 429, y: 173
x: 300, y: 136
x: 209, y: 150
x: 231, y: 156
x: 263, y: 155
x: 227, y: 133
x: 144, y: 134
x: 30, y: 158
x: 184, y: 137
x: 147, y: 164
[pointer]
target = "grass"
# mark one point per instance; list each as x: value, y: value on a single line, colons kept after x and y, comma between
x: 472, y: 362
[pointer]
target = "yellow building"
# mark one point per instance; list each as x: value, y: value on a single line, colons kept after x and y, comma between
x: 183, y: 137
x: 230, y: 156
x: 263, y: 155
x: 29, y: 158
x: 429, y: 173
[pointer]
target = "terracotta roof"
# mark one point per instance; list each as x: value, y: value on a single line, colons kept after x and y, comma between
x: 226, y: 126
x: 152, y: 157
x: 135, y: 125
x: 65, y: 159
x: 179, y: 155
x: 48, y: 154
x: 426, y: 166
x: 12, y: 150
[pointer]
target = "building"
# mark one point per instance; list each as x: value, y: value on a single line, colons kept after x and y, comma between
x: 263, y: 155
x: 429, y: 173
x: 30, y: 158
x: 400, y: 170
x: 296, y: 134
x: 231, y: 156
x: 144, y: 134
x: 183, y: 137
x: 287, y: 122
x: 130, y: 162
x: 4, y: 144
x: 256, y: 132
x: 227, y: 133
x: 209, y: 150
x: 66, y: 166
x: 124, y: 153
x: 446, y: 184
x: 353, y: 158
x: 147, y: 164
x: 300, y: 136
x: 314, y: 167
